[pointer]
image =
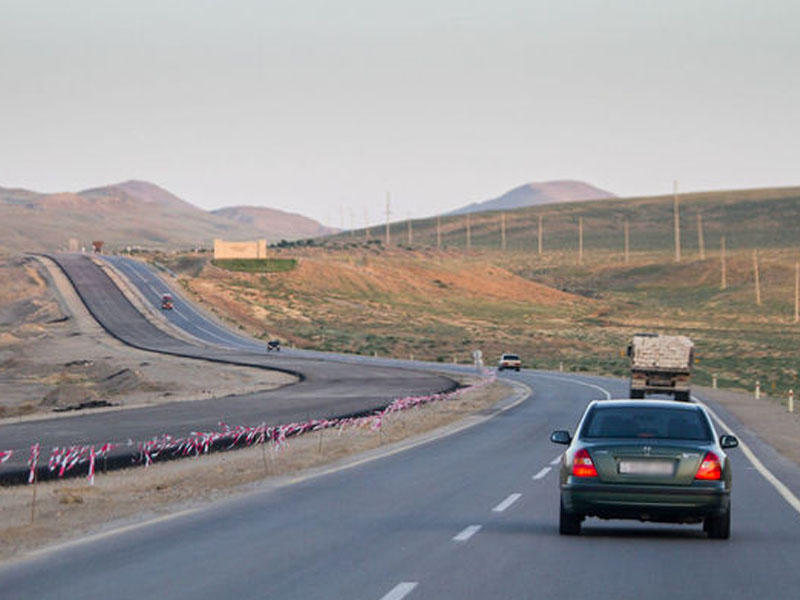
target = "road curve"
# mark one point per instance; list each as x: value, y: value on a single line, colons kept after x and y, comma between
x: 328, y: 387
x: 473, y: 515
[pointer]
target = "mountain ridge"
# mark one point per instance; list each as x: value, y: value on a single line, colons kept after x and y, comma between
x: 536, y: 194
x: 130, y: 213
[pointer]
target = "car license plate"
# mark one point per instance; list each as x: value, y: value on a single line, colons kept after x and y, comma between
x: 647, y: 467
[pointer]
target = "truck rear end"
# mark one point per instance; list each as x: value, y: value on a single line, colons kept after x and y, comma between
x: 661, y: 364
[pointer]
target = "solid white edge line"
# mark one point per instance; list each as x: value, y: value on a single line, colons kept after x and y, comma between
x: 467, y: 533
x: 600, y: 389
x: 507, y: 502
x: 781, y: 488
x: 401, y: 590
x: 542, y: 473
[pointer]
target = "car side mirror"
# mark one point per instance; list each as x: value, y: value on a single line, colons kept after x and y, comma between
x: 560, y: 437
x: 728, y: 441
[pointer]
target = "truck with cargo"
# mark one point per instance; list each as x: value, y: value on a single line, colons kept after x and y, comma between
x: 661, y: 364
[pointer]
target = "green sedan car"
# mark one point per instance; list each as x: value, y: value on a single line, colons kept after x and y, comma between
x: 649, y: 460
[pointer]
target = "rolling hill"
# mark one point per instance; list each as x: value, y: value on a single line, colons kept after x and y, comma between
x: 755, y: 218
x: 133, y: 213
x: 536, y: 194
x: 291, y: 225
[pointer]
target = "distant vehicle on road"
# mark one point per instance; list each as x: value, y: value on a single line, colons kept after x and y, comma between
x: 166, y: 302
x: 661, y: 364
x: 651, y: 460
x: 509, y: 361
x: 274, y: 345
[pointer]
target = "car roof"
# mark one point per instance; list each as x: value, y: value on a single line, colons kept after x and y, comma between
x: 629, y: 403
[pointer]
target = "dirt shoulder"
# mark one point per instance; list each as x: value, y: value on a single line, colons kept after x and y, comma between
x: 767, y: 417
x: 70, y: 509
x: 54, y: 356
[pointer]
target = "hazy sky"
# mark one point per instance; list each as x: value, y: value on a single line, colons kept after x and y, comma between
x: 314, y: 105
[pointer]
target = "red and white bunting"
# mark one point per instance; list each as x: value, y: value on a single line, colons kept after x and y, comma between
x: 92, y: 457
x: 33, y: 462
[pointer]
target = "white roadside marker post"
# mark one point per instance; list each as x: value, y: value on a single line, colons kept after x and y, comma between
x: 791, y: 401
x: 714, y: 381
x: 758, y: 390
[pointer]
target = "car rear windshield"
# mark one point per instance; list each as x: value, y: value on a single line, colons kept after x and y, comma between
x: 646, y: 422
x: 510, y: 357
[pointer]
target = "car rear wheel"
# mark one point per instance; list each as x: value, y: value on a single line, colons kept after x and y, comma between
x: 682, y: 396
x: 568, y: 523
x: 718, y: 527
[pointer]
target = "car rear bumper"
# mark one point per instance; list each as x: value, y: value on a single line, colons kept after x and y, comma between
x: 645, y: 502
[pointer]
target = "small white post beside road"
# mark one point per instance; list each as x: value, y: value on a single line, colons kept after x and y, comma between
x: 758, y: 390
x: 791, y: 401
x: 477, y: 356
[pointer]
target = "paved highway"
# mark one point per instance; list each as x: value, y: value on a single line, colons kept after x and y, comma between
x: 329, y: 388
x: 472, y: 515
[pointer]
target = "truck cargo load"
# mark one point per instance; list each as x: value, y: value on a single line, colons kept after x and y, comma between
x: 661, y: 364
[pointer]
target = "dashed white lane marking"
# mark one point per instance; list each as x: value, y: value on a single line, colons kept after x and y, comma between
x: 401, y: 590
x: 556, y: 460
x: 467, y: 533
x: 542, y: 473
x: 507, y: 502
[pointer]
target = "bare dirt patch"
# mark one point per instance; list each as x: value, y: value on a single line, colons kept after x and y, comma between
x: 69, y: 509
x: 767, y: 417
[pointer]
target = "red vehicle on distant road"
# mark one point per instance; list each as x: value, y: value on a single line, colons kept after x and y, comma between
x: 166, y: 302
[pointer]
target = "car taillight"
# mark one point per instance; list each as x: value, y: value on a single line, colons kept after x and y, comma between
x: 582, y: 465
x: 710, y: 468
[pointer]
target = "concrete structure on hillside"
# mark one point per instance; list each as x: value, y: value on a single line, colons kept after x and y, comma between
x: 253, y: 249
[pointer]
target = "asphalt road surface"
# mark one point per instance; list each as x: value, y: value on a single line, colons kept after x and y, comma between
x: 472, y: 515
x: 329, y: 387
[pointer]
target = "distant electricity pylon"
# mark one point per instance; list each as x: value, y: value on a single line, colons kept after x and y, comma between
x: 676, y: 212
x: 701, y: 244
x: 627, y: 229
x: 388, y: 215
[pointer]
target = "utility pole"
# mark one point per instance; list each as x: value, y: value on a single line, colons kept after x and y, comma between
x: 366, y: 225
x: 503, y: 231
x: 757, y: 279
x: 438, y: 232
x: 540, y: 234
x: 677, y: 215
x: 388, y: 215
x: 580, y: 240
x: 410, y: 232
x: 701, y: 244
x: 724, y: 283
x: 469, y: 234
x: 796, y: 291
x: 626, y: 227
